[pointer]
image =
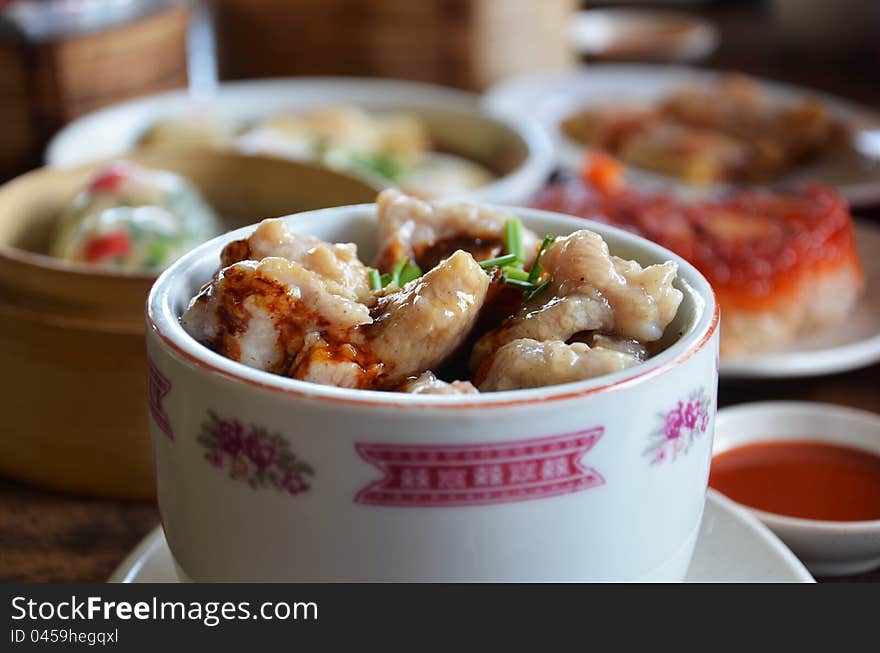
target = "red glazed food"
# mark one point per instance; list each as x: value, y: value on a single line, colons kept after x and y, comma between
x: 781, y: 265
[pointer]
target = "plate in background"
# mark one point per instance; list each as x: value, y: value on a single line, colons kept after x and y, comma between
x: 645, y: 34
x: 548, y: 98
x: 116, y: 130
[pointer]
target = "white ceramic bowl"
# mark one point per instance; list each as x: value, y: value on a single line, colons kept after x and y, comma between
x: 574, y: 482
x: 827, y: 548
x: 454, y: 118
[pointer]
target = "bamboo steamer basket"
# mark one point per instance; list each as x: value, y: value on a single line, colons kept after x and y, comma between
x: 74, y: 389
x: 68, y: 58
x: 465, y: 43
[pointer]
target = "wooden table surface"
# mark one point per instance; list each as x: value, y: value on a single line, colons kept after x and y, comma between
x: 46, y: 536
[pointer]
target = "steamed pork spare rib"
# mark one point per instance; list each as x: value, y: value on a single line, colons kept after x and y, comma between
x: 451, y: 281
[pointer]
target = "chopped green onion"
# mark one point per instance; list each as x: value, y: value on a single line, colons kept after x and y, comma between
x: 498, y: 261
x: 375, y: 280
x: 516, y: 273
x: 322, y: 145
x: 529, y: 295
x: 398, y: 268
x: 513, y: 238
x: 403, y: 273
x: 518, y: 283
x: 384, y: 166
x: 538, y: 269
x: 410, y: 272
x: 158, y: 250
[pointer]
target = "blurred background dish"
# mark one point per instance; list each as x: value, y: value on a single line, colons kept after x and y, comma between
x: 396, y: 145
x: 829, y: 545
x: 729, y: 131
x: 552, y: 98
x: 132, y: 217
x: 628, y: 34
x: 72, y: 334
x: 517, y: 152
x: 849, y: 345
x: 796, y: 278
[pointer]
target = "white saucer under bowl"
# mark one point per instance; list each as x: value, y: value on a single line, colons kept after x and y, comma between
x: 828, y: 548
x: 733, y: 547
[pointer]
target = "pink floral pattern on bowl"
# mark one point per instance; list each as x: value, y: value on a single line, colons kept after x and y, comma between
x: 253, y: 455
x: 680, y: 427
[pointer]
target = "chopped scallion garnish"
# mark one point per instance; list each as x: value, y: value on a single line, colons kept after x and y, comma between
x: 402, y: 273
x: 512, y: 263
x: 516, y: 273
x: 519, y: 284
x: 513, y: 238
x: 385, y: 166
x: 397, y: 269
x: 375, y: 280
x: 498, y: 261
x: 529, y: 295
x: 410, y: 272
x: 538, y: 269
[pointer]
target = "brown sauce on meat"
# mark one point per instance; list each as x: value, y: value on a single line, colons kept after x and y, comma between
x: 293, y: 319
x: 481, y: 248
x: 237, y: 250
x: 336, y: 349
x: 345, y: 346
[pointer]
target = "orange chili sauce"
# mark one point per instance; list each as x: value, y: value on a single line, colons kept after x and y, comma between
x: 804, y: 479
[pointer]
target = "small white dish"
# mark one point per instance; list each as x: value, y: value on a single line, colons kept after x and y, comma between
x: 548, y: 98
x: 457, y: 115
x: 646, y: 34
x: 827, y: 548
x: 848, y: 346
x: 732, y: 547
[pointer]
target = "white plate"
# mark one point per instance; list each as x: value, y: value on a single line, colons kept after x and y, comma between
x: 853, y: 344
x: 733, y: 547
x: 646, y: 34
x: 550, y: 97
x: 115, y: 130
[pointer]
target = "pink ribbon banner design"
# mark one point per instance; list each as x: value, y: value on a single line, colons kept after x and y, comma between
x: 159, y: 386
x: 479, y: 474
